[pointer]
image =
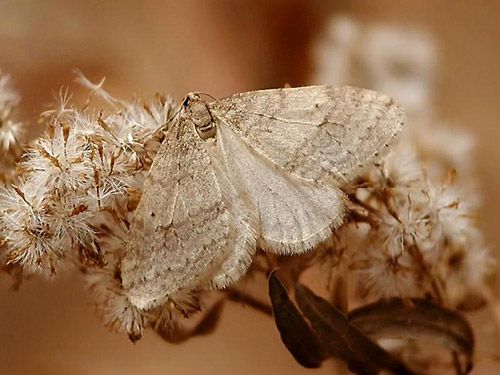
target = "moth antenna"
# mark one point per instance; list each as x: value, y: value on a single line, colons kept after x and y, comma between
x: 204, y: 93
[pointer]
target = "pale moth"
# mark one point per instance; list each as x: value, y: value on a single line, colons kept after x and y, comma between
x: 261, y: 168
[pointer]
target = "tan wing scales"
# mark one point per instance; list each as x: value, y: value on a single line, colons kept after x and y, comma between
x: 183, y: 227
x: 320, y: 133
x: 294, y: 214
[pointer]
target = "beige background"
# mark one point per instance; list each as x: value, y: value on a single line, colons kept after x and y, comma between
x: 219, y: 47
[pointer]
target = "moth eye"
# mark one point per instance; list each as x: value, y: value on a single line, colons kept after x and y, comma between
x: 186, y: 101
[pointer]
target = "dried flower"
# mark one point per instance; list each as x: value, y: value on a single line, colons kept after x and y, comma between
x: 417, y: 205
x: 378, y: 57
x: 11, y: 130
x: 410, y: 230
x: 81, y: 169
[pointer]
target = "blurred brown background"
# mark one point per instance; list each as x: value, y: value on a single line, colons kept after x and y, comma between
x: 219, y: 47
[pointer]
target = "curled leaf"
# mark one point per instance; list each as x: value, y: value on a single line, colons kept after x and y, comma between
x: 295, y: 332
x: 420, y: 319
x: 363, y: 356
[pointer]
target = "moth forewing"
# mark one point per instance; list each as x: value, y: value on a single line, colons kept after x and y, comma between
x: 183, y: 228
x: 320, y: 133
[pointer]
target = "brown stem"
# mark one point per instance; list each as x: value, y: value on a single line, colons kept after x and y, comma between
x: 457, y: 364
x: 418, y: 257
x: 359, y: 218
x: 339, y: 295
x: 204, y: 327
x: 237, y: 296
x: 354, y: 199
x: 385, y: 197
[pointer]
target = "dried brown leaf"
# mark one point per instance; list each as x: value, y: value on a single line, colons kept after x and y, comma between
x: 419, y: 320
x: 344, y: 340
x: 296, y: 334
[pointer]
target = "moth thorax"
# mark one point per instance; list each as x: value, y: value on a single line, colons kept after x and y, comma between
x: 197, y: 110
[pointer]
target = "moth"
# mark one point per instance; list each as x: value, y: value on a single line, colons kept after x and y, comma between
x: 256, y: 169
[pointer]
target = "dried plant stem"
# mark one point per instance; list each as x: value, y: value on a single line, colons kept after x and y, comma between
x: 439, y: 295
x: 417, y: 256
x: 204, y: 327
x: 340, y: 299
x: 359, y: 218
x: 456, y: 363
x: 338, y: 285
x: 238, y: 296
x: 353, y: 198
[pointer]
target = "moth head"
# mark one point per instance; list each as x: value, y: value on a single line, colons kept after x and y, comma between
x: 197, y: 111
